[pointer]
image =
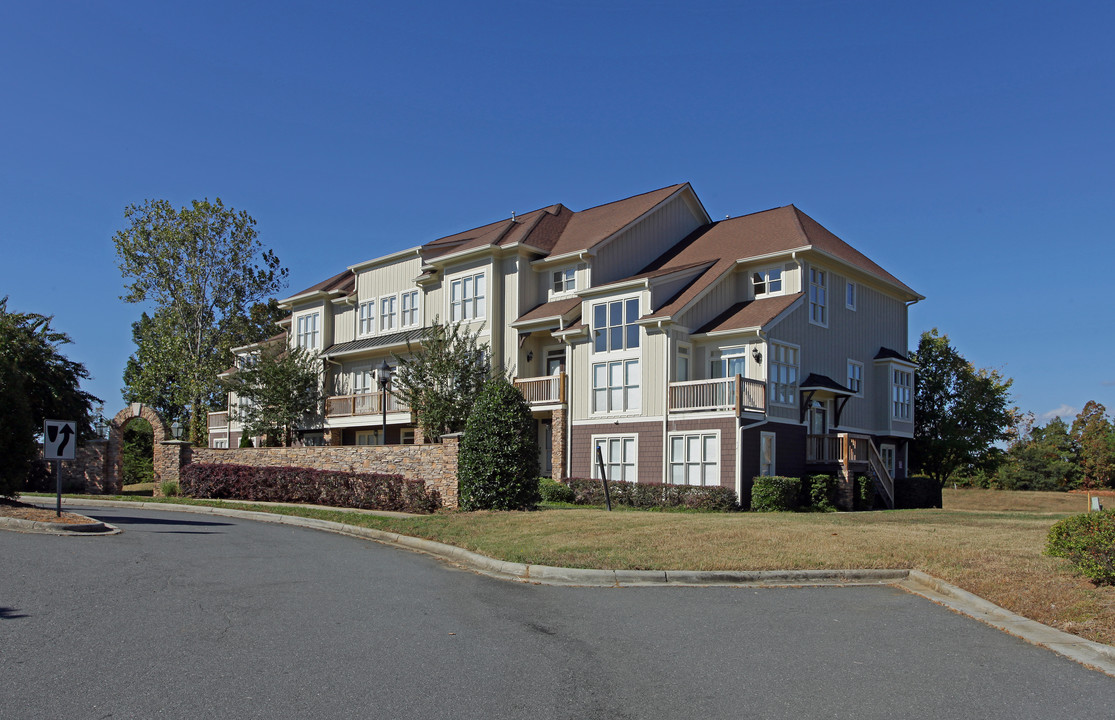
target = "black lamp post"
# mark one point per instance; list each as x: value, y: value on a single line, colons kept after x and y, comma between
x: 176, y: 430
x: 384, y: 377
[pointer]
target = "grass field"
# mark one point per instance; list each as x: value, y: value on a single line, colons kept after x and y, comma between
x: 987, y: 542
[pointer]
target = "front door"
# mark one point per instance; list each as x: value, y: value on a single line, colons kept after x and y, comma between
x: 818, y: 418
x: 555, y: 361
x: 546, y: 447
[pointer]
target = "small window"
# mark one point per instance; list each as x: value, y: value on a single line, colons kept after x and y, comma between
x: 409, y: 302
x: 683, y: 363
x: 367, y: 324
x: 387, y: 313
x: 818, y: 297
x: 850, y: 298
x: 767, y: 282
x: 767, y: 455
x: 467, y: 298
x: 565, y: 280
x: 902, y: 389
x: 307, y: 331
x: 855, y: 377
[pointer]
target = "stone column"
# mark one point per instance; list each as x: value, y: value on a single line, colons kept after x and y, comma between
x: 558, y: 445
x: 170, y: 457
x: 448, y: 486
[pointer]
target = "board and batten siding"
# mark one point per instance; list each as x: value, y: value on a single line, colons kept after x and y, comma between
x: 634, y: 248
x: 878, y: 321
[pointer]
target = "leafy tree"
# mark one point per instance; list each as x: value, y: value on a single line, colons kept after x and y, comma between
x: 17, y: 429
x: 1042, y: 458
x: 442, y: 377
x: 137, y: 452
x: 36, y: 382
x: 202, y: 266
x: 1094, y: 435
x: 153, y: 373
x: 960, y: 412
x: 281, y: 390
x: 498, y: 466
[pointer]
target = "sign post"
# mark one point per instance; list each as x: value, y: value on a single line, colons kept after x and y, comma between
x: 59, y: 443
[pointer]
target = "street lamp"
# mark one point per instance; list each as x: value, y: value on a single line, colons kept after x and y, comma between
x: 383, y: 374
x: 176, y: 430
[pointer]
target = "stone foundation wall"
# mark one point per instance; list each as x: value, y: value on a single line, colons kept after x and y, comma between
x: 434, y: 464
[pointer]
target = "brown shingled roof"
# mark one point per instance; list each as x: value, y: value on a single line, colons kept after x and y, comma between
x: 552, y: 309
x: 750, y: 314
x: 344, y: 281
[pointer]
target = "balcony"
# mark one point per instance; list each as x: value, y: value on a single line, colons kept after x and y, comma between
x: 370, y: 403
x: 548, y: 390
x: 734, y: 394
x: 218, y: 420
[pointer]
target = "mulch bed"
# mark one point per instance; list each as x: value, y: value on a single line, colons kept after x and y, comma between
x: 23, y: 511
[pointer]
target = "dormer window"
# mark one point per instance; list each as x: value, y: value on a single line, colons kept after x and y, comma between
x: 767, y: 282
x: 565, y: 281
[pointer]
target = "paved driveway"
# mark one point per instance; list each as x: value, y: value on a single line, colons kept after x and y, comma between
x: 194, y: 616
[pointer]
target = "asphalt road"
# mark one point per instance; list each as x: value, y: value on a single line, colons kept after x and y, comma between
x: 195, y: 616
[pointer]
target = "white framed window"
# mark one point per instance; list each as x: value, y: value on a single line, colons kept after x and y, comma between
x: 616, y: 386
x: 306, y: 335
x: 467, y: 298
x: 818, y: 297
x: 850, y: 296
x: 733, y: 362
x: 682, y: 369
x: 565, y: 281
x: 363, y: 381
x: 621, y: 457
x: 409, y: 313
x: 388, y: 307
x: 613, y: 325
x: 366, y: 318
x: 695, y: 458
x: 767, y: 454
x: 784, y: 363
x: 221, y: 443
x: 767, y: 281
x: 901, y: 391
x: 855, y: 377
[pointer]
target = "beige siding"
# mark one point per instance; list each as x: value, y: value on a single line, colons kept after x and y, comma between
x: 719, y: 298
x: 629, y: 253
x: 654, y: 373
x: 344, y: 319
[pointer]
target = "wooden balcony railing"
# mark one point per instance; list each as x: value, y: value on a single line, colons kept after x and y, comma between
x: 734, y: 394
x: 548, y: 390
x: 218, y: 420
x: 837, y: 447
x: 369, y: 403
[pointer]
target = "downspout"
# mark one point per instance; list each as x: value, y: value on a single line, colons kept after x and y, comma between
x: 665, y: 404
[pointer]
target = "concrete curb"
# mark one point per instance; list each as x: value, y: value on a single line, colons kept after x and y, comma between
x: 1086, y: 652
x: 93, y: 528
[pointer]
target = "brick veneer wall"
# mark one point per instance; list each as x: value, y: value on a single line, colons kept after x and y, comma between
x: 433, y: 463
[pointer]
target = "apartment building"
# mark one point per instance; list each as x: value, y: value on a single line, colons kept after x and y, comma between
x: 686, y: 350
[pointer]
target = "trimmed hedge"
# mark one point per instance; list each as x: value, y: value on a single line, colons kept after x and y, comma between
x: 864, y: 497
x: 554, y: 491
x: 713, y: 498
x: 1088, y: 541
x: 370, y: 491
x: 775, y: 493
x: 821, y: 491
x: 916, y: 491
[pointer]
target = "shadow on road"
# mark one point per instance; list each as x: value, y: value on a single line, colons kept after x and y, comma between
x: 130, y: 520
x: 7, y: 613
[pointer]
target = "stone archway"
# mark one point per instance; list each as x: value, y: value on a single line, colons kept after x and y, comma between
x: 114, y: 460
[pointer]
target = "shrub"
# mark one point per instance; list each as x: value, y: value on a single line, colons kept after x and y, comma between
x: 170, y: 488
x: 1087, y: 541
x: 372, y: 491
x: 713, y: 498
x: 822, y: 493
x: 864, y: 497
x: 498, y: 465
x: 775, y: 493
x: 554, y: 491
x: 916, y: 491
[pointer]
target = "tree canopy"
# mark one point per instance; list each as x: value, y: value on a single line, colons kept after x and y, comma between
x: 202, y: 267
x: 278, y: 391
x: 37, y: 382
x: 1095, y: 438
x: 960, y: 412
x: 1040, y: 458
x: 441, y: 377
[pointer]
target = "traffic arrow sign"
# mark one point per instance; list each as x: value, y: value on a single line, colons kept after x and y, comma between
x: 59, y: 439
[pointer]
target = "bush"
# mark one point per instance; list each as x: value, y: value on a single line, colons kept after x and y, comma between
x: 1088, y: 541
x: 371, y: 491
x: 864, y: 497
x: 822, y: 493
x: 498, y: 465
x: 170, y: 488
x: 774, y: 493
x: 713, y: 498
x: 916, y: 491
x: 554, y: 491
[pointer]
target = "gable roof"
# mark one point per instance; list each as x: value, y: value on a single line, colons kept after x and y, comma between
x: 342, y: 283
x: 750, y: 314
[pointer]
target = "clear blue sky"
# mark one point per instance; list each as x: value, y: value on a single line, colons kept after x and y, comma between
x: 966, y: 147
